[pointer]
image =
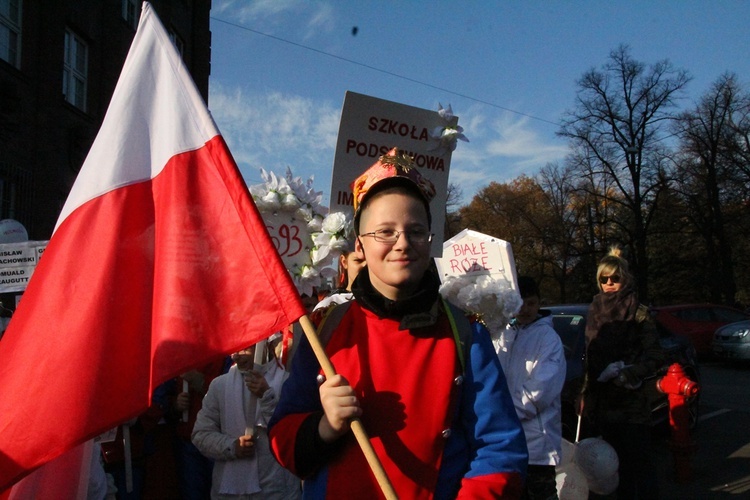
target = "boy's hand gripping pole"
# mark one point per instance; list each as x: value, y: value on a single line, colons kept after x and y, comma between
x: 356, y: 424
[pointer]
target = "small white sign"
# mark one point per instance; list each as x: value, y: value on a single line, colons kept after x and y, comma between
x: 471, y: 253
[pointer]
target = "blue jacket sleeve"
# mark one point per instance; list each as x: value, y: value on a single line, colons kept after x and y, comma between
x: 487, y: 443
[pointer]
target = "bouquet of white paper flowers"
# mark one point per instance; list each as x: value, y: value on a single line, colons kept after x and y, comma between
x: 493, y: 300
x: 322, y: 236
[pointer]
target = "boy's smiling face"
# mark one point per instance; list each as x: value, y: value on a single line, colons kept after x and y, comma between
x: 395, y: 269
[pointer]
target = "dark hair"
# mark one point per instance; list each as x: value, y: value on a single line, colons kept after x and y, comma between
x: 527, y: 287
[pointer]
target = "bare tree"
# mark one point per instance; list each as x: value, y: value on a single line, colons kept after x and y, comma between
x: 617, y: 125
x: 738, y: 150
x: 452, y: 214
x: 568, y: 231
x: 713, y: 167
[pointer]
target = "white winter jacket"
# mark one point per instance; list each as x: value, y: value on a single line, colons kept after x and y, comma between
x: 212, y: 438
x: 533, y: 360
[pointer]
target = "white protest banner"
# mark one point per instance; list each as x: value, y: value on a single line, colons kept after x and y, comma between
x: 478, y: 274
x: 17, y: 264
x: 370, y: 127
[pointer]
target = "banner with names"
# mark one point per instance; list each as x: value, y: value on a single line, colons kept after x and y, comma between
x: 17, y: 264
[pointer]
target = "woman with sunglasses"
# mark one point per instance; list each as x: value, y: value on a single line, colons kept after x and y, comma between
x: 622, y: 351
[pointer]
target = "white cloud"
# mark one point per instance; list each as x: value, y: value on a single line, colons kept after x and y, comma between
x: 500, y: 150
x: 517, y: 139
x: 274, y: 130
x: 315, y: 17
x: 244, y: 11
x: 322, y: 20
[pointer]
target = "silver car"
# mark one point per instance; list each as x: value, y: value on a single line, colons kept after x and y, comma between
x: 732, y: 341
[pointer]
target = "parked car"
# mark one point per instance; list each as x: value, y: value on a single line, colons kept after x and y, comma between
x: 732, y: 341
x: 570, y: 323
x: 697, y: 322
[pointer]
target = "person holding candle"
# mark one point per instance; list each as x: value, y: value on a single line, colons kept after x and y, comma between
x: 231, y: 429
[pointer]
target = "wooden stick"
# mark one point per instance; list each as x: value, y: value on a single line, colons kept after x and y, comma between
x: 356, y: 424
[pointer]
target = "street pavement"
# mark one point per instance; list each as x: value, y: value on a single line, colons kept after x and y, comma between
x: 719, y: 467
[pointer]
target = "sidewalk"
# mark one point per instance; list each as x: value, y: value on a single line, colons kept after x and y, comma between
x: 721, y: 462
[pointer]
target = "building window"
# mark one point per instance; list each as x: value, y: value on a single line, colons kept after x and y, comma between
x: 75, y: 70
x: 10, y: 31
x: 15, y: 192
x: 177, y: 41
x: 130, y: 12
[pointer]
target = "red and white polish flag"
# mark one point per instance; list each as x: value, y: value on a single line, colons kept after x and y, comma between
x: 159, y: 263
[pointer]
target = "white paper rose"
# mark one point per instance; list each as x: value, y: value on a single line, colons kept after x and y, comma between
x: 335, y: 223
x: 290, y: 201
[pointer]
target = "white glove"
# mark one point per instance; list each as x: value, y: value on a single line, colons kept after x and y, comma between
x: 611, y: 371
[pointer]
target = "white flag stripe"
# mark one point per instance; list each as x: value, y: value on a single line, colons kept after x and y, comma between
x: 168, y: 127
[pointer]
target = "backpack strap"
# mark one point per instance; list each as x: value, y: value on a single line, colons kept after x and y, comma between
x: 462, y: 331
x: 331, y: 320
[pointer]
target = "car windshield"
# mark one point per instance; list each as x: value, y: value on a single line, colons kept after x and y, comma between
x: 569, y: 327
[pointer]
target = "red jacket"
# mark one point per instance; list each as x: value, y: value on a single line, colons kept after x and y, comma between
x: 434, y: 428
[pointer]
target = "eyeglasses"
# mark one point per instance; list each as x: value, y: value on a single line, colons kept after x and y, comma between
x: 390, y: 236
x: 604, y: 279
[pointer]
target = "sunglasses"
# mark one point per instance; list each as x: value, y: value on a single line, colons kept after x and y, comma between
x: 604, y: 279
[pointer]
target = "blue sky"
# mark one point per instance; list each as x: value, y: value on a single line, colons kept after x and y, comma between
x: 280, y: 69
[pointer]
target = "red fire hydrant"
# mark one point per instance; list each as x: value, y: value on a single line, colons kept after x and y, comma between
x: 678, y: 387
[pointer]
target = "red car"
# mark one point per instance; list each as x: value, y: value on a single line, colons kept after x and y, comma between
x: 697, y: 322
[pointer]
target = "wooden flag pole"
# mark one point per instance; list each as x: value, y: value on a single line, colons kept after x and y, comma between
x: 356, y: 424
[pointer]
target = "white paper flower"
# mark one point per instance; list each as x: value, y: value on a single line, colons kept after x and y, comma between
x: 271, y: 201
x: 339, y: 243
x: 308, y: 272
x: 290, y: 202
x: 307, y: 279
x: 448, y: 134
x: 335, y: 223
x: 304, y: 213
x: 493, y: 301
x: 318, y: 255
x: 315, y: 224
x: 322, y: 239
x: 258, y: 191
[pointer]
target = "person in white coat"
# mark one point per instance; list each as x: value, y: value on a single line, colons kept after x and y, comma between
x: 533, y: 359
x: 231, y: 429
